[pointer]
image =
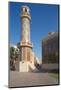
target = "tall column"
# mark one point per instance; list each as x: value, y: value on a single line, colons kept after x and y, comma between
x: 25, y: 17
x: 25, y: 44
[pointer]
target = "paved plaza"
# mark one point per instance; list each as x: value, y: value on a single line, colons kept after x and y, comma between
x: 18, y: 79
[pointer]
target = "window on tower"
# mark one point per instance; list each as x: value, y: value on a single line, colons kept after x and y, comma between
x: 25, y: 10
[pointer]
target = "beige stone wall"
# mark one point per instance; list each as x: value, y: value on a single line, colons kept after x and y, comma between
x: 25, y: 30
x: 32, y: 57
x: 26, y: 53
x: 23, y: 66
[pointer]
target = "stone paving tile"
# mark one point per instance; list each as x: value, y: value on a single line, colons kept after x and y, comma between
x: 18, y: 79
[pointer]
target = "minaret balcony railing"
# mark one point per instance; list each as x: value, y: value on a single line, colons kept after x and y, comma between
x: 26, y: 44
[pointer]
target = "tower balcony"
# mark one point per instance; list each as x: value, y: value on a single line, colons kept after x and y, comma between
x: 26, y: 16
x: 26, y: 44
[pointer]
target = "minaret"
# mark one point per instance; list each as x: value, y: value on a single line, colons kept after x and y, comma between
x: 25, y: 44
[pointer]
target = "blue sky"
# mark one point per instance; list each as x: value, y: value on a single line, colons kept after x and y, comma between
x: 44, y: 19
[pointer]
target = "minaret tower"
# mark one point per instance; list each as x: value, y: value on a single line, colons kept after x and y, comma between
x: 25, y: 44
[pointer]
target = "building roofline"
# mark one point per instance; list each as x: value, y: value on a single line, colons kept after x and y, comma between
x: 50, y: 36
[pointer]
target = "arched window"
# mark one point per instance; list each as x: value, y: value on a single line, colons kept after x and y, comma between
x: 25, y: 9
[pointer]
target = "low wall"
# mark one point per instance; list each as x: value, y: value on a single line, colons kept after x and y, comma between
x: 50, y: 66
x: 23, y: 66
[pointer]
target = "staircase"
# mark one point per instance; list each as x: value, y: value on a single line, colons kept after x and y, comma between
x: 32, y: 67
